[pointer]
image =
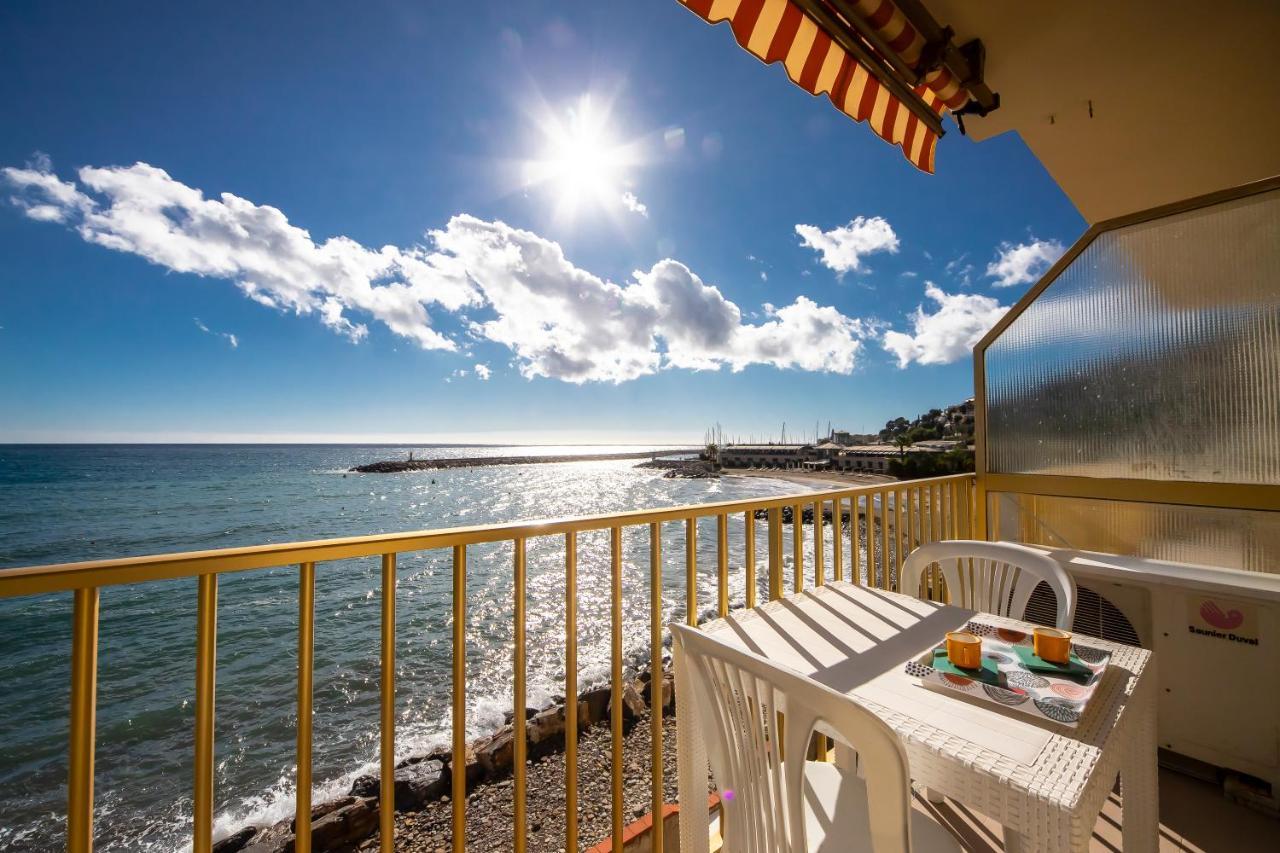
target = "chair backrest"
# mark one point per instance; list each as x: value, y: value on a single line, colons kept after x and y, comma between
x: 994, y: 577
x: 756, y: 720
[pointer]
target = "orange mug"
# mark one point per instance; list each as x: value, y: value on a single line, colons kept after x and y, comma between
x: 1052, y: 645
x: 964, y: 649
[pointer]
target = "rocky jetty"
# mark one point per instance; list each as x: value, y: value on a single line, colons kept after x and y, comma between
x: 686, y: 469
x: 396, y: 466
x: 425, y: 782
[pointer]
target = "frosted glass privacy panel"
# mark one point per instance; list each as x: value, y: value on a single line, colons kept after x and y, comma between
x: 1154, y: 355
x: 1205, y: 536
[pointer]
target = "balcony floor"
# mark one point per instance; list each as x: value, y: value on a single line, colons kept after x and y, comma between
x: 1194, y: 816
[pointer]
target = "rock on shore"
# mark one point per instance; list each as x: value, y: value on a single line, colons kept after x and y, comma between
x: 806, y: 515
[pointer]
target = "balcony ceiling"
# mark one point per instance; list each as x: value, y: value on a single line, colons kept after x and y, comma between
x: 1183, y: 93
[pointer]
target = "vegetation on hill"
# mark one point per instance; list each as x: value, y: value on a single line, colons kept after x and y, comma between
x: 953, y: 422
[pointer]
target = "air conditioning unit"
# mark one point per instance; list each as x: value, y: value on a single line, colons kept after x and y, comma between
x: 1216, y: 635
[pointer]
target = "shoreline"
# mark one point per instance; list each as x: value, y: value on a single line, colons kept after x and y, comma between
x: 812, y: 478
x: 423, y: 781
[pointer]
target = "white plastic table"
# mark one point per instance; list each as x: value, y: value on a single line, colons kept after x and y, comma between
x: 1045, y: 783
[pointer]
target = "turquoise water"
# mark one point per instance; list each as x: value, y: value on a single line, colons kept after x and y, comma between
x: 66, y: 503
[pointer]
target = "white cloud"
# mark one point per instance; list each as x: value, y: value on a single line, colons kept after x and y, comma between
x: 519, y: 290
x: 230, y: 338
x: 633, y: 204
x: 947, y: 334
x: 483, y: 372
x: 1023, y: 263
x: 843, y: 247
x: 141, y: 210
x: 565, y: 323
x: 957, y: 268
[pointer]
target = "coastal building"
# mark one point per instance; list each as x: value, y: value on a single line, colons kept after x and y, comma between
x: 866, y: 458
x: 782, y: 456
x: 829, y: 455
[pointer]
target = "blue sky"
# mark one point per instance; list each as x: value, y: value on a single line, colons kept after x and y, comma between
x: 595, y: 205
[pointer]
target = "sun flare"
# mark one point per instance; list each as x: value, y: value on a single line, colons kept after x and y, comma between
x: 581, y: 163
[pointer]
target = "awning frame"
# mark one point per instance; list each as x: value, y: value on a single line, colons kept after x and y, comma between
x: 853, y: 42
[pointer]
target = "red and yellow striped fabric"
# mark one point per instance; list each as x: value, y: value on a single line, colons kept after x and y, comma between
x: 779, y: 31
x: 892, y: 26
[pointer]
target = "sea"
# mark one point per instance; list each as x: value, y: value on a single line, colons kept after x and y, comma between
x: 81, y: 502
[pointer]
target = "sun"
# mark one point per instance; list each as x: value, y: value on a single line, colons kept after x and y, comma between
x: 581, y: 163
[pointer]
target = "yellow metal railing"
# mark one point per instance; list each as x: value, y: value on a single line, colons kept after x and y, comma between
x: 906, y: 514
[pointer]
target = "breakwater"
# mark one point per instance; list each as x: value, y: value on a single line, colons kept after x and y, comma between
x: 396, y: 466
x: 686, y: 469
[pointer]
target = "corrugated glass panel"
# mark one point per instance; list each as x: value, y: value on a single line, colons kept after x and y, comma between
x: 1154, y: 355
x: 1205, y: 536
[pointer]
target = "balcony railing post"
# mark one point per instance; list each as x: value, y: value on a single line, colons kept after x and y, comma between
x: 775, y: 553
x: 387, y: 779
x: 691, y: 570
x: 749, y: 536
x: 615, y: 575
x: 570, y: 691
x: 84, y: 702
x: 819, y: 558
x: 458, y: 768
x: 722, y: 565
x: 900, y: 535
x: 855, y: 538
x: 884, y: 539
x: 206, y: 666
x: 519, y: 746
x: 656, y: 682
x: 837, y: 538
x: 306, y: 645
x: 797, y: 546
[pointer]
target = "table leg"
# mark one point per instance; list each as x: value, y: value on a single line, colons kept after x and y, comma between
x: 1139, y: 776
x: 1057, y: 841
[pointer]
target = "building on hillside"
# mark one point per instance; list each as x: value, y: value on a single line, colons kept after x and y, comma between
x: 960, y: 417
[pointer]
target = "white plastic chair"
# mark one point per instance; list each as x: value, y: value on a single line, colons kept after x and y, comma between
x: 756, y: 720
x: 994, y: 577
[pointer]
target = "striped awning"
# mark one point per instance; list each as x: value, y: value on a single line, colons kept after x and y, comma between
x: 782, y: 31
